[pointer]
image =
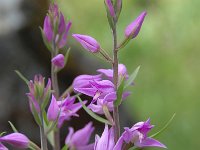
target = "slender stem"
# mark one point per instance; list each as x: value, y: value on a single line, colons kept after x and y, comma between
x: 115, y: 80
x: 55, y: 87
x: 42, y: 135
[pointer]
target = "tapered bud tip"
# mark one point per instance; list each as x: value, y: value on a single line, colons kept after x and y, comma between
x: 110, y: 7
x: 133, y: 29
x: 58, y: 60
x: 89, y: 43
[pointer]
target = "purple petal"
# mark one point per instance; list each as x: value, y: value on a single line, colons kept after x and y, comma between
x: 110, y: 97
x: 82, y: 136
x: 96, y: 108
x: 59, y: 60
x: 2, y: 147
x: 53, y: 109
x: 87, y: 91
x: 119, y: 143
x: 134, y: 28
x: 87, y: 42
x: 149, y: 142
x: 82, y: 81
x: 106, y: 72
x: 16, y: 139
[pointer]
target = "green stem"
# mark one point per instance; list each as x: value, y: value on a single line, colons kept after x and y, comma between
x: 42, y: 135
x: 115, y: 80
x: 55, y: 87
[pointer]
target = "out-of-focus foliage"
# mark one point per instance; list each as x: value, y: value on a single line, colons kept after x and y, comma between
x: 168, y: 51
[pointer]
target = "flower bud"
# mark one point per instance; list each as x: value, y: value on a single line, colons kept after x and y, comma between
x: 59, y: 60
x: 87, y: 42
x: 16, y: 139
x: 110, y: 7
x: 133, y: 29
x: 38, y: 93
x: 53, y: 110
x: 47, y: 29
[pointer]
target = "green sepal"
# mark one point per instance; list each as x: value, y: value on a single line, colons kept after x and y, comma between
x: 132, y: 77
x: 50, y: 136
x: 93, y: 115
x: 45, y: 118
x: 22, y: 77
x: 117, y: 9
x: 65, y: 147
x: 46, y: 100
x: 45, y: 40
x: 67, y: 55
x: 165, y: 127
x: 36, y: 115
x: 119, y: 93
x: 13, y: 127
x: 110, y: 19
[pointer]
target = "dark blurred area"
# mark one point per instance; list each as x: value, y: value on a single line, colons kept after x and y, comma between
x: 22, y: 48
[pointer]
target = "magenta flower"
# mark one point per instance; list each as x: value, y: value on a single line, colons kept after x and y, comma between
x: 83, y: 81
x: 98, y: 89
x: 59, y: 60
x: 107, y: 101
x: 38, y: 92
x: 106, y: 141
x: 122, y: 72
x: 15, y: 139
x: 133, y: 29
x: 137, y: 135
x: 88, y: 42
x: 79, y: 140
x: 64, y: 108
x: 110, y: 7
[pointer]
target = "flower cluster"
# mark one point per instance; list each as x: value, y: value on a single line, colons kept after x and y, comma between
x: 107, y: 90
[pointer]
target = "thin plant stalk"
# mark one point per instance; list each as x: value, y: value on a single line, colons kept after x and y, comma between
x: 55, y: 87
x: 115, y: 80
x: 42, y: 134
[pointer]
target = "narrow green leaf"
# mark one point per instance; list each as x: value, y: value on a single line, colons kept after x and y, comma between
x: 2, y: 133
x: 132, y: 77
x: 93, y: 115
x: 22, y: 77
x: 65, y: 147
x: 45, y: 118
x: 13, y: 127
x: 164, y: 128
x: 119, y: 93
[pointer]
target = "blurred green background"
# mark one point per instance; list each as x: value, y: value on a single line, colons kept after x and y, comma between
x: 167, y: 49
